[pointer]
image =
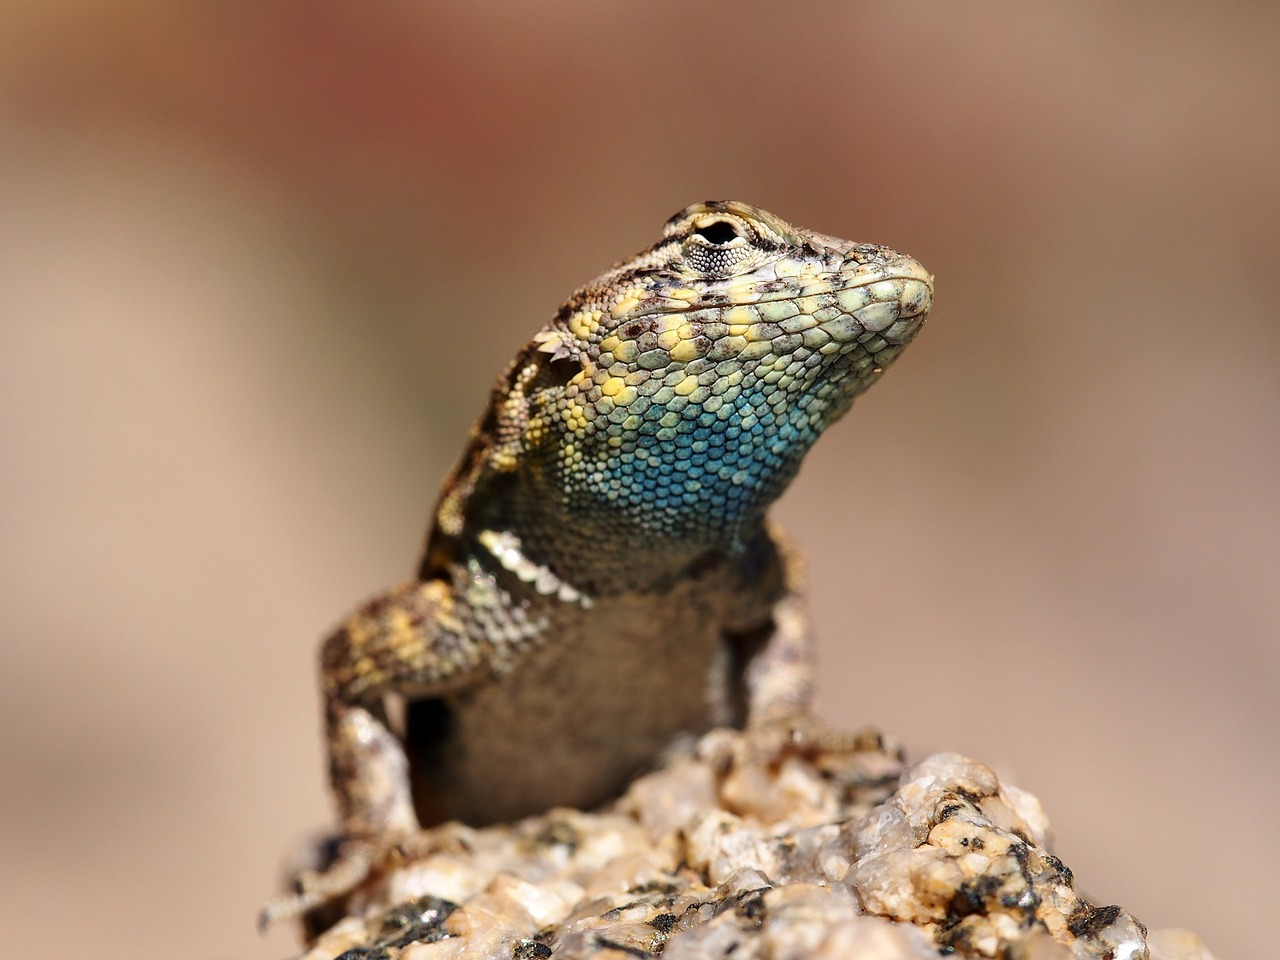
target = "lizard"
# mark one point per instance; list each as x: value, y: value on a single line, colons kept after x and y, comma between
x: 600, y: 576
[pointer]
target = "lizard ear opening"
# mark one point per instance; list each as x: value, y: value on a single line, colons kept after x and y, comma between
x: 564, y: 368
x: 561, y: 362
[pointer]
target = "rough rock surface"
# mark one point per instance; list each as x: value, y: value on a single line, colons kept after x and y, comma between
x: 781, y: 843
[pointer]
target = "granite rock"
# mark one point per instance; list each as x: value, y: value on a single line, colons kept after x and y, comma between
x: 779, y: 843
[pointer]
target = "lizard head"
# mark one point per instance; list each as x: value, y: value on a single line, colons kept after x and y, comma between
x: 677, y: 393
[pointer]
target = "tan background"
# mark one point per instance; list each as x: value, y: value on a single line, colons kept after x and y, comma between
x: 259, y: 263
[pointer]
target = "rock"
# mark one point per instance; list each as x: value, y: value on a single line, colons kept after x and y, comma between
x: 778, y: 843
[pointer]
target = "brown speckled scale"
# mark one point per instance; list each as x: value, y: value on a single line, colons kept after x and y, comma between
x: 600, y: 576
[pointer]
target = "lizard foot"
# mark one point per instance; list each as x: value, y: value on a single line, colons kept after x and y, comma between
x: 354, y: 862
x: 320, y: 892
x: 810, y: 737
x: 769, y: 742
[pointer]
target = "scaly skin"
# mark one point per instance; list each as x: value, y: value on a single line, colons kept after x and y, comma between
x: 600, y: 576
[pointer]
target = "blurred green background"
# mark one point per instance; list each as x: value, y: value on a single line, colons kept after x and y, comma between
x: 259, y: 263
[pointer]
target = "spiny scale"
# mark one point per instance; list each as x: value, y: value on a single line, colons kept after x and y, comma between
x: 600, y: 576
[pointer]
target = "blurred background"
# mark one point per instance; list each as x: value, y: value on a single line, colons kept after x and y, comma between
x: 259, y: 264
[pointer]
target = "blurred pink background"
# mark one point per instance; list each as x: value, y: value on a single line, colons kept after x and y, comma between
x: 259, y: 264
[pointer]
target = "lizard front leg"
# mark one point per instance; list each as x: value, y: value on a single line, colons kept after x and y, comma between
x: 406, y: 642
x: 777, y: 678
x: 771, y: 640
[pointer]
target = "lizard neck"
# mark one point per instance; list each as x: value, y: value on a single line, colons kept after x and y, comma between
x: 603, y: 551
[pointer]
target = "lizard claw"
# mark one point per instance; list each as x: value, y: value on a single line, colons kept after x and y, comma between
x: 355, y: 861
x: 811, y: 738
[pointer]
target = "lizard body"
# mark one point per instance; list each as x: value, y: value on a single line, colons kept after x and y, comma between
x: 600, y: 576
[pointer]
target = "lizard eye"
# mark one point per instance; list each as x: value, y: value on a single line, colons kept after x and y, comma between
x: 718, y: 233
x: 716, y: 248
